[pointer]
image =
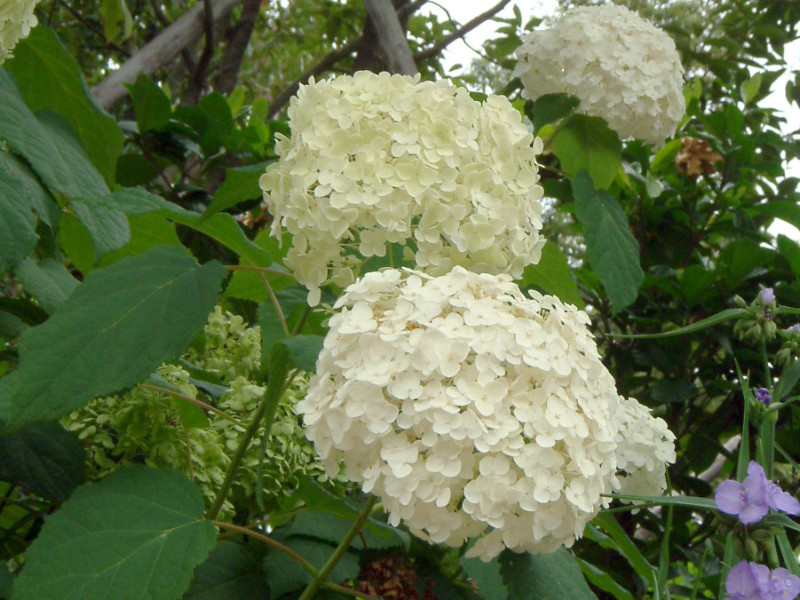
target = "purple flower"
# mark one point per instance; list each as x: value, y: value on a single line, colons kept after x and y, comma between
x: 782, y: 585
x: 751, y: 581
x: 751, y: 499
x: 746, y: 580
x: 767, y: 296
x: 794, y: 328
x: 763, y: 395
x: 748, y: 499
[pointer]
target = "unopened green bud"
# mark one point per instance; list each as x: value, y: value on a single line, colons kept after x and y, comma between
x: 751, y: 549
x: 739, y: 301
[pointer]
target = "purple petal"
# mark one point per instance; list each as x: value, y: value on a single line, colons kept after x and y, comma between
x: 783, y: 585
x: 729, y: 497
x: 741, y: 583
x: 753, y: 513
x: 780, y: 500
x: 767, y: 296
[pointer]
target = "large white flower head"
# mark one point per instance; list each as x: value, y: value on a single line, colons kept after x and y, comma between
x: 471, y: 410
x: 376, y: 159
x: 621, y: 67
x: 645, y: 446
x: 16, y: 21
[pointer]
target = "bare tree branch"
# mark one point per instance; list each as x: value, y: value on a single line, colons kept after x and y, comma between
x: 460, y: 33
x: 391, y: 37
x: 199, y: 74
x: 238, y: 37
x: 160, y: 51
x: 326, y: 63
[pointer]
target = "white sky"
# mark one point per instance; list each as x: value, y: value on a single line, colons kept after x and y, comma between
x: 459, y: 53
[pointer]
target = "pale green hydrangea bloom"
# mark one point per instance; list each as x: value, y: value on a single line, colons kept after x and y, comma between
x: 146, y: 426
x: 621, y: 68
x: 380, y: 159
x: 16, y: 21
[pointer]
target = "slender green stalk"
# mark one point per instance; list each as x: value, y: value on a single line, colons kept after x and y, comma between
x: 343, y: 546
x: 279, y: 368
x: 275, y: 303
x: 195, y: 401
x: 269, y: 542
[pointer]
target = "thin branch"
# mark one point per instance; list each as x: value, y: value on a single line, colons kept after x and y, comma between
x: 196, y: 402
x: 460, y: 33
x: 270, y: 542
x: 238, y: 38
x: 199, y: 74
x: 323, y: 65
x: 391, y: 37
x: 162, y: 18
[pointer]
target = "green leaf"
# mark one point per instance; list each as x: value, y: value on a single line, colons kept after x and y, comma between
x: 665, y: 157
x: 588, y: 143
x: 48, y: 281
x: 76, y: 242
x: 286, y: 574
x: 544, y: 576
x: 686, y: 501
x: 553, y: 275
x: 137, y: 534
x: 613, y: 251
x: 229, y: 573
x: 49, y: 78
x: 6, y: 581
x: 147, y: 231
x: 240, y: 185
x: 18, y: 235
x: 150, y: 104
x: 304, y: 350
x: 115, y: 329
x: 486, y: 577
x: 108, y: 227
x: 219, y: 121
x: 780, y: 209
x: 603, y: 581
x: 787, y: 382
x: 43, y: 458
x: 54, y: 154
x: 673, y: 390
x: 249, y: 285
x: 552, y: 107
x: 750, y: 88
x: 625, y: 546
x: 117, y: 21
x: 322, y: 525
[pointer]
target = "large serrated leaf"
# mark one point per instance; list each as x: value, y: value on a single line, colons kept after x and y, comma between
x: 108, y: 227
x: 544, y: 576
x: 486, y: 577
x: 48, y: 145
x: 150, y: 104
x: 49, y: 78
x: 587, y: 143
x: 17, y: 221
x: 112, y: 332
x: 43, y: 458
x: 613, y: 251
x: 332, y: 528
x: 137, y: 534
x: 48, y: 281
x: 229, y: 573
x: 240, y: 185
x: 286, y: 574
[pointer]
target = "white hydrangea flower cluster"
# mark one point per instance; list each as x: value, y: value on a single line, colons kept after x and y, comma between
x: 471, y: 410
x: 377, y: 159
x: 645, y: 446
x: 16, y: 21
x: 620, y: 66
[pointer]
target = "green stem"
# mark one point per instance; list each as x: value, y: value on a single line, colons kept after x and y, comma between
x: 343, y: 547
x: 195, y: 401
x: 269, y: 542
x: 279, y: 368
x: 276, y: 304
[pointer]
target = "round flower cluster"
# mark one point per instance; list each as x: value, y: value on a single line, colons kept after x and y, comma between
x: 380, y: 159
x: 16, y: 21
x: 621, y: 68
x: 645, y: 446
x: 471, y: 410
x: 145, y: 425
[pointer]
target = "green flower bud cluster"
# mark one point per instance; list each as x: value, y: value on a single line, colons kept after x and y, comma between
x: 790, y: 349
x: 148, y: 426
x: 757, y: 323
